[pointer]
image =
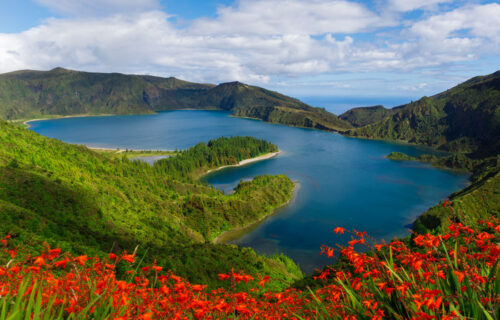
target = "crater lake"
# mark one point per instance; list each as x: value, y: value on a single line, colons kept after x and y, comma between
x: 341, y: 181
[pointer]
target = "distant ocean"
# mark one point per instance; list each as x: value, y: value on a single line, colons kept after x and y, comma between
x: 338, y: 105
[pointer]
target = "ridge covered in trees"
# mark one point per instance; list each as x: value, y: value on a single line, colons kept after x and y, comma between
x: 60, y: 92
x: 463, y: 119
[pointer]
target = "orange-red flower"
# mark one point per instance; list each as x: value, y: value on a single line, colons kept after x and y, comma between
x: 129, y: 258
x: 338, y: 230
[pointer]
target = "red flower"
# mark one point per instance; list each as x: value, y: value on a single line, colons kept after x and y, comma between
x: 129, y: 258
x: 263, y: 281
x: 81, y: 260
x: 497, y: 228
x: 146, y: 316
x: 39, y: 261
x: 61, y: 264
x: 223, y: 276
x: 338, y: 230
x: 54, y: 253
x: 157, y: 268
x: 460, y: 275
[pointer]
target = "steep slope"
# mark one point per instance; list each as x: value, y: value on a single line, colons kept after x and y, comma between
x: 25, y: 94
x: 465, y: 118
x: 479, y: 201
x: 85, y: 202
x: 254, y: 102
x: 31, y: 94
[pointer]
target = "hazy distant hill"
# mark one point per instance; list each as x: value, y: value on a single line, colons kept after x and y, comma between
x: 465, y: 118
x: 28, y: 94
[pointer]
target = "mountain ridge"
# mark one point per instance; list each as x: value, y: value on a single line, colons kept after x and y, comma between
x: 34, y: 94
x: 464, y: 119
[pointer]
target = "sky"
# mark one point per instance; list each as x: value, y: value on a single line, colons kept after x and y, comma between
x: 403, y: 49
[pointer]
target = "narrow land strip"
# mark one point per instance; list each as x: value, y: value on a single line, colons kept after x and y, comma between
x: 247, y: 161
x: 239, y: 231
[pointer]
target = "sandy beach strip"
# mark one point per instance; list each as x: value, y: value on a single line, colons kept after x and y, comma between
x: 55, y: 117
x: 247, y: 161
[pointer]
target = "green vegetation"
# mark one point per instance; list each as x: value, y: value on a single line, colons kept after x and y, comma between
x: 61, y: 92
x: 90, y: 203
x: 35, y: 94
x: 463, y: 119
x: 479, y: 201
x: 131, y: 154
x: 254, y: 102
x: 195, y: 161
x: 363, y: 116
x: 399, y: 156
x: 455, y: 161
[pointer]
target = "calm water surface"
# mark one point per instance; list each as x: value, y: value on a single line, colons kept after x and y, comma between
x: 343, y: 181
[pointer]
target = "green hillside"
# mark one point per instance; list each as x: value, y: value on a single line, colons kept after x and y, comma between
x: 463, y: 119
x: 30, y: 94
x: 254, y: 102
x: 34, y: 94
x: 91, y: 203
x: 479, y: 201
x: 363, y: 116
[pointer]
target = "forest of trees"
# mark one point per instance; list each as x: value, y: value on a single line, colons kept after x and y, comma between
x: 89, y: 203
x: 223, y: 151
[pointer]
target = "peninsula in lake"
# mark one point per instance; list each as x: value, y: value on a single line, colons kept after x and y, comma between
x: 91, y: 202
x: 462, y: 119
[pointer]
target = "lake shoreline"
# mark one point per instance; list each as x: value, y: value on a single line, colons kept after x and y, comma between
x: 342, y: 133
x: 120, y: 150
x: 229, y: 235
x: 317, y: 159
x: 55, y: 117
x: 247, y: 161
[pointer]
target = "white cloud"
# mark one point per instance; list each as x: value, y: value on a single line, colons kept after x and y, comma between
x: 479, y: 21
x: 99, y: 7
x: 462, y: 34
x: 417, y: 87
x: 271, y: 17
x: 259, y: 49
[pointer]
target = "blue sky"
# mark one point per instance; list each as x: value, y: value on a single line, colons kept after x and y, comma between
x: 329, y: 48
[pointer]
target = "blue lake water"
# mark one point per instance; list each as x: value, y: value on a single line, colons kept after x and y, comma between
x: 343, y: 181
